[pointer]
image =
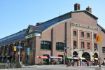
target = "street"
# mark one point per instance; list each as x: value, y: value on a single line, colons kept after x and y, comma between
x: 57, y: 67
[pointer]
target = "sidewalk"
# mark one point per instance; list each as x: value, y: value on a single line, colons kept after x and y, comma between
x: 56, y: 67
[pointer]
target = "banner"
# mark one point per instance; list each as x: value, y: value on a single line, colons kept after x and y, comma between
x: 14, y: 48
x: 98, y: 38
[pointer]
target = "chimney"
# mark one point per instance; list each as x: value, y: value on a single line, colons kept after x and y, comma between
x: 89, y: 9
x: 76, y: 7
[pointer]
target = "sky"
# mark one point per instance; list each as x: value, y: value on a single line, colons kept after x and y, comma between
x: 16, y: 15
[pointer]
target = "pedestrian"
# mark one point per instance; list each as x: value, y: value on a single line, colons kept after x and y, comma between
x: 7, y: 63
x: 103, y: 62
x: 87, y: 63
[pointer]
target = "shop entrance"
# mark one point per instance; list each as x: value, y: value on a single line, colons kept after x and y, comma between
x: 95, y: 55
x: 86, y: 55
x: 75, y: 54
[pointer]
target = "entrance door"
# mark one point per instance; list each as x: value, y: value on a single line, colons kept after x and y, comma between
x: 86, y: 55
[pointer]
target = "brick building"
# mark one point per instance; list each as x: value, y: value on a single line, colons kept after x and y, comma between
x: 72, y: 35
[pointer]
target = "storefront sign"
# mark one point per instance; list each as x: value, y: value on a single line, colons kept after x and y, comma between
x: 32, y: 35
x: 29, y: 36
x: 37, y: 34
x: 84, y: 26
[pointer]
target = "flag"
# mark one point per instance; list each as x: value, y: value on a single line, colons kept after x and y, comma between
x: 98, y: 38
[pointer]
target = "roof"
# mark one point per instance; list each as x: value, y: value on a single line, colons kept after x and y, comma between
x: 39, y: 28
x: 102, y: 29
x: 44, y: 25
x: 12, y: 38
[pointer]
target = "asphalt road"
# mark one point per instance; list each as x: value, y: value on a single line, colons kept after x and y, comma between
x: 55, y: 67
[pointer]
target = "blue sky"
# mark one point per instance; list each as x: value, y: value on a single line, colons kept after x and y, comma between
x: 16, y: 15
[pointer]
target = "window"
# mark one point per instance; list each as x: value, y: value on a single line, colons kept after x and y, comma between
x: 60, y: 46
x: 74, y: 33
x: 74, y: 44
x: 82, y: 44
x: 46, y: 45
x: 94, y: 36
x: 88, y: 35
x: 88, y: 45
x: 95, y: 47
x: 103, y: 49
x: 82, y: 34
